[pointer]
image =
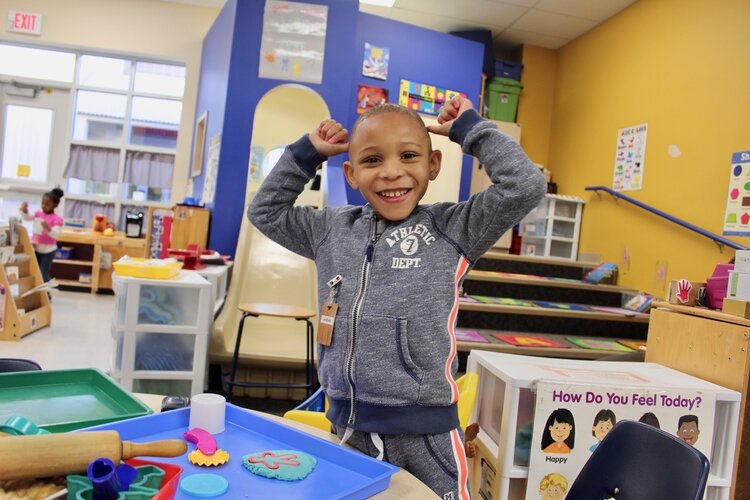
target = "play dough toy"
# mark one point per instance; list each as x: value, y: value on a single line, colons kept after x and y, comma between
x: 220, y: 457
x: 206, y: 454
x: 286, y: 465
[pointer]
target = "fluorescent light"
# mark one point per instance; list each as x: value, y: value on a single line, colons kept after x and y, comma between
x: 379, y: 3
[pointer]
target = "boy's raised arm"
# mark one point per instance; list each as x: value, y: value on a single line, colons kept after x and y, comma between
x: 517, y: 184
x: 272, y: 211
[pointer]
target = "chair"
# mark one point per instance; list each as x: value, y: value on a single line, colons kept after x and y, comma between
x: 636, y: 461
x: 18, y: 365
x: 312, y: 410
x: 255, y: 310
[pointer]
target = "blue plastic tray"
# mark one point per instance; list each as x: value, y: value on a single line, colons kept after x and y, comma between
x: 340, y: 472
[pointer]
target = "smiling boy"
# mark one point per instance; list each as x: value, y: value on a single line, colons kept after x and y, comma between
x: 394, y: 269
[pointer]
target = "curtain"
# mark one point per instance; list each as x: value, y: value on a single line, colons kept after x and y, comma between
x: 90, y: 163
x: 86, y: 210
x: 149, y: 169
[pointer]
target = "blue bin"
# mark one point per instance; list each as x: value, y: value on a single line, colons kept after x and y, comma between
x: 508, y: 69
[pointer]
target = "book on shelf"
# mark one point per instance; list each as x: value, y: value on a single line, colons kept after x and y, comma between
x: 523, y: 340
x: 599, y: 344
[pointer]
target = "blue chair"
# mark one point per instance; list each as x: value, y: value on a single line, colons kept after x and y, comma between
x: 18, y: 365
x: 636, y: 461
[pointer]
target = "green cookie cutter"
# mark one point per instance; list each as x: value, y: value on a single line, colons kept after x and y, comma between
x: 17, y: 425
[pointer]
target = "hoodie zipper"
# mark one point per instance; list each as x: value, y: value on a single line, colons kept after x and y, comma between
x: 363, y: 280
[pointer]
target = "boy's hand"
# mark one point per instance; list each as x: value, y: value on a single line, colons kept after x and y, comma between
x: 330, y: 138
x: 24, y: 208
x: 448, y: 113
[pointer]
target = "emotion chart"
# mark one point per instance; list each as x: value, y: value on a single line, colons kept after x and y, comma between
x: 571, y: 419
x: 737, y: 215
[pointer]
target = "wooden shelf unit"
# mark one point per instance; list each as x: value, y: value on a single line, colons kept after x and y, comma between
x: 87, y: 250
x: 23, y: 315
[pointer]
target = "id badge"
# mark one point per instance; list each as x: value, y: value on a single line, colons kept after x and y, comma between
x: 325, y: 327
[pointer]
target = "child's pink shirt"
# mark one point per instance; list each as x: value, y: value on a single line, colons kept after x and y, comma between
x: 43, y: 240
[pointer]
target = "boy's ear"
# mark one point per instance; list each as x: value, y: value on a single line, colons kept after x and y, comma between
x: 435, y: 159
x: 349, y: 174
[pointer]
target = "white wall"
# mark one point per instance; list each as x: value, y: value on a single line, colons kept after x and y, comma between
x: 159, y: 29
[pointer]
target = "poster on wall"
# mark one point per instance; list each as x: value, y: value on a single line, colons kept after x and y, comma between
x: 375, y: 62
x: 254, y: 168
x: 630, y: 154
x: 571, y: 419
x: 369, y: 96
x: 737, y: 214
x: 212, y: 169
x: 424, y: 98
x: 293, y: 43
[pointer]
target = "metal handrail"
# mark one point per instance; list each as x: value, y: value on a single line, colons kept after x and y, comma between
x: 719, y: 240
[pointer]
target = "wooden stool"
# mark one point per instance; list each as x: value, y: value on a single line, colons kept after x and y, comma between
x: 279, y: 311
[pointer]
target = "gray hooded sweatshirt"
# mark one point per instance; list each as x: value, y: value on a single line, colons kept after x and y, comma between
x: 391, y: 364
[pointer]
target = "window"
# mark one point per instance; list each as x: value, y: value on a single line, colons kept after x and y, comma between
x: 40, y: 64
x: 26, y: 143
x: 124, y: 125
x: 99, y: 116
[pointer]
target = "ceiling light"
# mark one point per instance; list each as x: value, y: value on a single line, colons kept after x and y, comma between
x: 379, y: 3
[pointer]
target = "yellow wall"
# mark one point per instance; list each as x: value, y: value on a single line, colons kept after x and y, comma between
x: 681, y: 66
x: 163, y: 30
x: 536, y: 101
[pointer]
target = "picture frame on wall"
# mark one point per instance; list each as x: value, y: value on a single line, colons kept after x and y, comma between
x: 199, y: 145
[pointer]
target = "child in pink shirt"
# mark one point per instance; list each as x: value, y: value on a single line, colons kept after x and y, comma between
x: 47, y: 226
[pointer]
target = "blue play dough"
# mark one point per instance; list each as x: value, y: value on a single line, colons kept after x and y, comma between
x: 204, y: 485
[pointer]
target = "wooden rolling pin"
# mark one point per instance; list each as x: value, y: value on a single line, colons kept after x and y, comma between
x: 23, y: 457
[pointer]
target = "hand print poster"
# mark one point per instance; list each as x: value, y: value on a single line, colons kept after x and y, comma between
x: 571, y: 420
x: 630, y: 154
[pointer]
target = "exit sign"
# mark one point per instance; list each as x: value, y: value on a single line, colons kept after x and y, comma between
x: 24, y: 22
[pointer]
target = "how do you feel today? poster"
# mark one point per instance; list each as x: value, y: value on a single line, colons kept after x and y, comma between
x: 571, y: 419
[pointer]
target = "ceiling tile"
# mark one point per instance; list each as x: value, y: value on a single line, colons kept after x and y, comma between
x: 555, y: 25
x: 483, y: 12
x: 596, y: 10
x: 511, y: 38
x: 522, y: 3
x: 437, y: 22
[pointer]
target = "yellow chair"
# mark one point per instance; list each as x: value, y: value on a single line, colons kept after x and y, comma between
x: 467, y: 394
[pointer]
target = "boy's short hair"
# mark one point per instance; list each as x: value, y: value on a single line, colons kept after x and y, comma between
x: 389, y: 107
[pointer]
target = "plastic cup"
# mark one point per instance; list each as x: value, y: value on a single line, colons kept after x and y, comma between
x: 207, y: 412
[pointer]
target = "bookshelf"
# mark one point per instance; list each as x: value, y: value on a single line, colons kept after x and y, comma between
x: 19, y: 274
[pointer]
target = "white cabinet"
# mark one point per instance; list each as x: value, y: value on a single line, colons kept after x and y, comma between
x: 218, y: 276
x: 552, y: 228
x: 161, y: 329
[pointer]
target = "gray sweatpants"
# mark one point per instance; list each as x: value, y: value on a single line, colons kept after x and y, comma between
x: 438, y: 460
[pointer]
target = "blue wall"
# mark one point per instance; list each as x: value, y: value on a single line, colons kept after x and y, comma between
x: 214, y: 76
x: 423, y: 56
x: 415, y: 54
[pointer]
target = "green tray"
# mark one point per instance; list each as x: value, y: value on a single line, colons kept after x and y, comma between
x: 66, y: 400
